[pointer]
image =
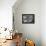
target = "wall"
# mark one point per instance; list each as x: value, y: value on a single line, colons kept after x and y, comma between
x: 6, y: 13
x: 43, y: 22
x: 30, y: 31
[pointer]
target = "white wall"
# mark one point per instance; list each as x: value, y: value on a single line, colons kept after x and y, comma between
x: 6, y: 13
x: 43, y: 22
x: 31, y: 31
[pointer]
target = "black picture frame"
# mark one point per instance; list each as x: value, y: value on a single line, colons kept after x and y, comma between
x: 28, y: 18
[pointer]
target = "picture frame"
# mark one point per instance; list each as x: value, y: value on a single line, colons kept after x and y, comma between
x: 28, y: 18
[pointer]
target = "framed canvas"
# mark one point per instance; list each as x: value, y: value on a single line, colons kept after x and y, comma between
x: 28, y: 18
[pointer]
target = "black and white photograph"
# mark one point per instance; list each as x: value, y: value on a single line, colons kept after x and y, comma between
x: 28, y: 18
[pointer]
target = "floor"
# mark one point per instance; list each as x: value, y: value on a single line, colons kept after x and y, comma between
x: 9, y: 43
